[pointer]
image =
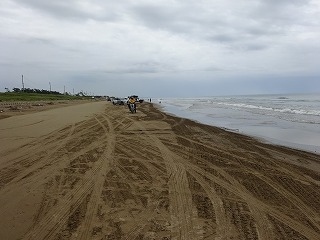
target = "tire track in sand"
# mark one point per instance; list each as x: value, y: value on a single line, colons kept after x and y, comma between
x: 258, y: 207
x: 181, y: 207
x: 56, y: 218
x: 106, y: 165
x: 31, y: 178
x: 179, y: 183
x: 225, y: 229
x: 259, y: 210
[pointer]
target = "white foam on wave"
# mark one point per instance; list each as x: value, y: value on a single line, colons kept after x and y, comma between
x: 281, y: 110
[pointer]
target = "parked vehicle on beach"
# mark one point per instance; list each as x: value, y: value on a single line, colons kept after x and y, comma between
x: 118, y: 101
x: 124, y: 101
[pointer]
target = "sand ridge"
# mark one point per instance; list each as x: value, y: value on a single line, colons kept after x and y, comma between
x: 110, y: 174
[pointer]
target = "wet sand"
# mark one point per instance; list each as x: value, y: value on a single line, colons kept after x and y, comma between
x: 96, y: 171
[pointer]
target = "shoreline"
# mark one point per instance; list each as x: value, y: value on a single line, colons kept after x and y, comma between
x: 260, y: 141
x: 252, y: 131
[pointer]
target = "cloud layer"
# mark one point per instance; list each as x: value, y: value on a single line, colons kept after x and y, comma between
x: 112, y: 46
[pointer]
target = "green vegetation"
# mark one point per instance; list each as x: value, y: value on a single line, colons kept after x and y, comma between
x: 23, y: 96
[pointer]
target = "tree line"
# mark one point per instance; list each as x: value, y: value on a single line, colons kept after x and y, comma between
x: 44, y: 91
x: 34, y: 90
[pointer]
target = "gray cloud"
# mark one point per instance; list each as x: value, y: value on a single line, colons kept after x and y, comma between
x: 168, y: 42
x: 77, y: 10
x: 142, y: 67
x: 38, y: 41
x: 246, y: 22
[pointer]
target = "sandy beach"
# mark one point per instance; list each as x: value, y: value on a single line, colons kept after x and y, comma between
x: 96, y: 171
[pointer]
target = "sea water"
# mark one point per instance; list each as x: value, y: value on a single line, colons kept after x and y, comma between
x: 288, y: 120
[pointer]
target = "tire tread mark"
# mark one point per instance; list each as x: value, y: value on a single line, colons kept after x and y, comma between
x: 106, y: 164
x: 258, y: 206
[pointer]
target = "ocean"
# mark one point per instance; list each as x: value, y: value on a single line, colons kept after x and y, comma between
x: 288, y: 120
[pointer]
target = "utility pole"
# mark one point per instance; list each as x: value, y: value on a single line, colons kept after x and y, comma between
x: 22, y: 84
x: 64, y: 90
x: 50, y: 86
x: 73, y: 91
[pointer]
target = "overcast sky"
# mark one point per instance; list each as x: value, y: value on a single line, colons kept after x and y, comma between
x: 161, y: 48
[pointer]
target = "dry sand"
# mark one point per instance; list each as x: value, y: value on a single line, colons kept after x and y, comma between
x: 96, y: 171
